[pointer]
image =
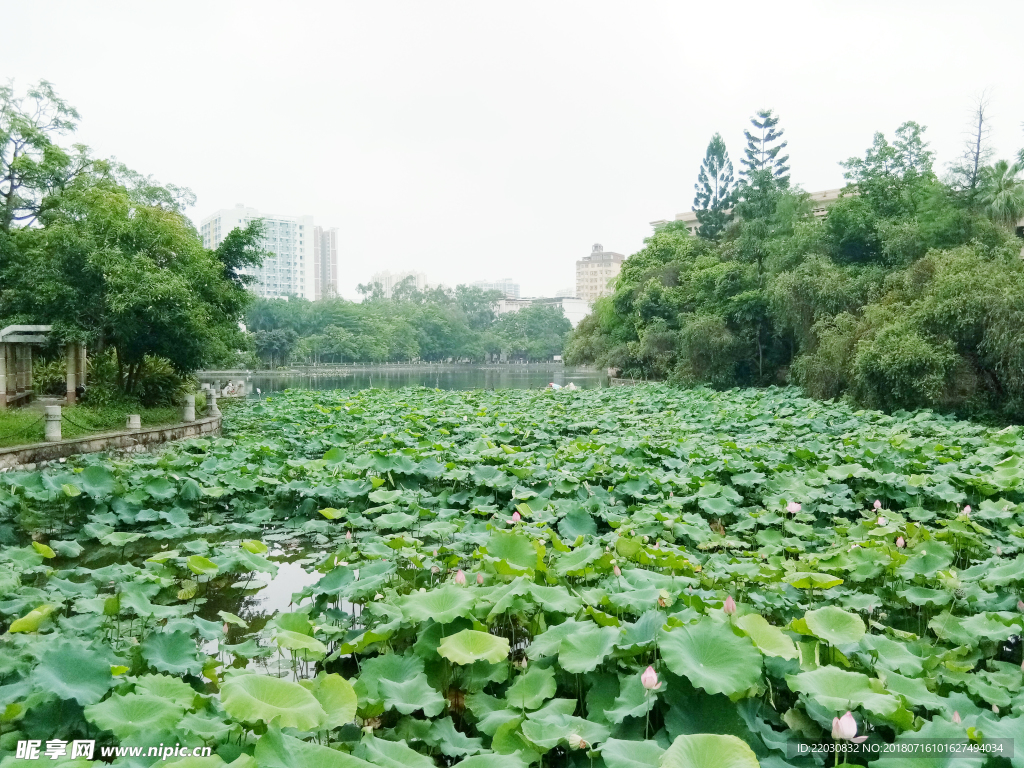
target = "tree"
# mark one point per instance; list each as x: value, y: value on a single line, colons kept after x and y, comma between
x: 895, y: 177
x: 241, y: 249
x: 965, y: 172
x: 763, y: 148
x: 32, y: 166
x: 714, y: 190
x: 1002, y: 192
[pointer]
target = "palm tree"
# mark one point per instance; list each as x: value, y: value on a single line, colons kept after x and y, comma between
x: 1002, y: 192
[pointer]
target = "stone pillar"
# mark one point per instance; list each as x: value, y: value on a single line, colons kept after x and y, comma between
x: 52, y: 426
x: 19, y: 364
x: 28, y: 366
x: 134, y: 421
x: 214, y: 410
x: 3, y: 377
x: 12, y: 371
x: 71, y: 357
x: 82, y: 367
x: 190, y: 408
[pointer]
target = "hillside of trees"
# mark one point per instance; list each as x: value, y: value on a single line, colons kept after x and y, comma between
x: 433, y: 325
x: 908, y: 293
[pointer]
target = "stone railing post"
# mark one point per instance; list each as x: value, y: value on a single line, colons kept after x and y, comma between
x: 71, y: 358
x: 52, y: 425
x: 214, y: 410
x: 134, y: 421
x: 190, y: 408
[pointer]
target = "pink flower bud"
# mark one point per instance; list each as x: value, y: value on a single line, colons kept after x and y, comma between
x: 793, y: 507
x: 479, y: 578
x: 956, y: 717
x: 1020, y: 606
x: 460, y: 577
x: 967, y: 510
x: 516, y: 517
x: 995, y: 709
x: 878, y: 504
x: 882, y: 521
x: 729, y: 606
x: 845, y: 729
x: 225, y: 627
x: 900, y: 542
x: 999, y: 551
x: 649, y: 679
x: 616, y: 571
x: 348, y: 535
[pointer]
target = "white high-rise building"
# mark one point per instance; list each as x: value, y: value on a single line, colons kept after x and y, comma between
x: 509, y: 288
x: 388, y: 281
x: 292, y: 268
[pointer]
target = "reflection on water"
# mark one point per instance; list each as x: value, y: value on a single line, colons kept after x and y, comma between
x: 290, y: 578
x: 439, y: 377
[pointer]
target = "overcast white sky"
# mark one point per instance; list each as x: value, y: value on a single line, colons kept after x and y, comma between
x: 472, y: 140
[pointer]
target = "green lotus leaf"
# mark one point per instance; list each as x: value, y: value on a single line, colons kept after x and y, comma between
x: 839, y: 690
x: 711, y: 657
x: 385, y: 497
x: 43, y: 550
x: 133, y: 713
x: 391, y: 754
x: 301, y: 645
x: 201, y: 566
x: 173, y: 652
x: 255, y: 698
x: 71, y: 670
x: 174, y: 689
x: 586, y: 647
x: 32, y: 620
x: 494, y: 760
x: 120, y: 538
x: 275, y: 750
x: 809, y: 580
x: 255, y: 546
x: 161, y: 488
x: 469, y: 646
x: 706, y: 750
x: 517, y: 549
x: 834, y: 625
x: 619, y: 753
x: 633, y: 700
x: 96, y: 481
x: 443, y: 605
x: 452, y: 742
x: 411, y: 694
x: 530, y: 690
x: 770, y: 640
x: 336, y: 696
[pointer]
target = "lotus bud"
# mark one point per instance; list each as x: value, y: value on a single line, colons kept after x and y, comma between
x: 878, y: 504
x: 348, y: 535
x: 793, y: 507
x: 649, y: 679
x: 435, y: 553
x: 378, y: 596
x: 967, y: 511
x: 845, y: 728
x: 523, y: 662
x: 1020, y: 606
x: 995, y: 709
x: 460, y: 577
x: 956, y: 717
x: 882, y: 521
x: 900, y: 542
x: 576, y: 741
x: 435, y: 569
x: 516, y: 517
x: 225, y: 627
x: 729, y: 606
x: 616, y: 571
x: 479, y: 578
x: 999, y: 551
x: 656, y: 545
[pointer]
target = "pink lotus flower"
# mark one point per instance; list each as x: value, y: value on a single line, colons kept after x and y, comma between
x: 479, y: 578
x: 655, y: 545
x: 729, y: 606
x: 1020, y: 606
x: 576, y: 741
x: 793, y: 507
x: 967, y: 510
x: 348, y: 535
x: 995, y: 709
x: 616, y: 571
x: 956, y: 718
x: 900, y: 542
x: 649, y: 679
x: 999, y: 551
x: 882, y: 521
x: 225, y: 627
x: 516, y: 517
x: 878, y: 504
x: 460, y: 577
x: 845, y: 728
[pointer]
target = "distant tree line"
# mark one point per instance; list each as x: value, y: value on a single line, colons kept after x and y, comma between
x: 908, y: 293
x: 435, y: 324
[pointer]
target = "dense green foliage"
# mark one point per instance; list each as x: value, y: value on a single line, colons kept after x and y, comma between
x: 436, y: 324
x: 106, y: 255
x: 493, y: 572
x: 906, y: 294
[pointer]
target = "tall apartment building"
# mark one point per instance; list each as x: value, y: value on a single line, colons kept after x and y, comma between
x: 292, y: 267
x: 389, y: 280
x: 594, y: 272
x: 325, y: 262
x: 505, y: 285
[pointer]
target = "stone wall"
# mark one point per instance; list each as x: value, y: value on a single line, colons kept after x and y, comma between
x: 30, y: 456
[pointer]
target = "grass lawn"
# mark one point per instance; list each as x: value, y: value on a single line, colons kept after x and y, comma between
x: 23, y: 426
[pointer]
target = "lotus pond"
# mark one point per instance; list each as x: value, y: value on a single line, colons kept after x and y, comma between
x: 621, y: 577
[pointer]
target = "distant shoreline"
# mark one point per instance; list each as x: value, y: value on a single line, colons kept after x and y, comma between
x: 335, y: 370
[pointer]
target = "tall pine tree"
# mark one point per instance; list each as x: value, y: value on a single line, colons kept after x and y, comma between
x: 714, y: 190
x: 763, y: 148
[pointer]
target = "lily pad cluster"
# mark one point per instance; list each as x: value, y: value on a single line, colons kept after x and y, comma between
x: 626, y: 577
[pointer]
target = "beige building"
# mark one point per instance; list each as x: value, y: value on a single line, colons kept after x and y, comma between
x: 325, y: 263
x: 594, y: 272
x: 819, y: 200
